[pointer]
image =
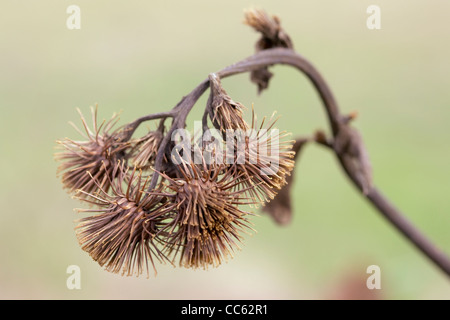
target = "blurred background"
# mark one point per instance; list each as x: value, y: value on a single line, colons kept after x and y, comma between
x: 142, y: 57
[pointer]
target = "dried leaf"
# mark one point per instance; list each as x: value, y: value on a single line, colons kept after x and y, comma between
x: 261, y: 78
x: 280, y: 208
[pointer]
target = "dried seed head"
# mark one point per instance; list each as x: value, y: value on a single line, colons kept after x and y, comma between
x: 123, y: 233
x: 266, y: 161
x: 272, y: 36
x: 209, y: 222
x: 148, y: 148
x: 224, y: 112
x: 348, y: 144
x: 97, y: 155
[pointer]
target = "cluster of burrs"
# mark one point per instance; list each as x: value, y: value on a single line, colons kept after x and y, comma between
x: 149, y: 201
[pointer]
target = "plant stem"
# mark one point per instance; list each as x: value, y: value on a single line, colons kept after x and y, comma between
x: 131, y: 127
x: 396, y: 218
x: 275, y: 56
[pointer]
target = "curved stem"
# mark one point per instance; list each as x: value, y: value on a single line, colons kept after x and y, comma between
x: 131, y: 127
x: 395, y: 217
x: 261, y: 59
x: 289, y: 57
x: 271, y: 57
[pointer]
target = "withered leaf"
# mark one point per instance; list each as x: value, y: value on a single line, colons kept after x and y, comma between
x: 280, y: 208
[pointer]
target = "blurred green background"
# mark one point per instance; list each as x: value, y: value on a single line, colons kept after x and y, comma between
x: 142, y: 57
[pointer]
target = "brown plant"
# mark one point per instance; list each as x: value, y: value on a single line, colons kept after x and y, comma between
x: 148, y: 147
x: 163, y: 208
x: 280, y: 208
x: 266, y: 159
x: 123, y: 233
x: 96, y: 156
x: 272, y: 36
x: 209, y: 222
x: 225, y: 113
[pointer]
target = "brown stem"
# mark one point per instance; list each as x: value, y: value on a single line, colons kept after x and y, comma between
x: 289, y: 57
x: 181, y: 110
x: 399, y: 221
x: 395, y: 217
x: 271, y: 57
x: 131, y: 127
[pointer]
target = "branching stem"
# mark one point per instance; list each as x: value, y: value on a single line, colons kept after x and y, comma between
x: 336, y: 120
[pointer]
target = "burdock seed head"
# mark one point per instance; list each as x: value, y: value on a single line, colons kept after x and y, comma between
x: 148, y: 148
x: 272, y: 36
x: 123, y: 235
x: 209, y: 223
x: 225, y: 113
x: 266, y: 159
x: 97, y: 155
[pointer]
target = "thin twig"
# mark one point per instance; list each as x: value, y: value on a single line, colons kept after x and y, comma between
x: 130, y: 128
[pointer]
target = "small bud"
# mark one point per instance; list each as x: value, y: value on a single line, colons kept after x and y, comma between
x: 225, y: 113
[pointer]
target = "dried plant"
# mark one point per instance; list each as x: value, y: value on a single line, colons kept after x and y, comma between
x: 123, y: 233
x: 264, y: 173
x: 148, y: 148
x: 272, y: 36
x: 225, y: 113
x: 94, y: 156
x: 209, y: 222
x: 153, y: 201
x: 280, y: 208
